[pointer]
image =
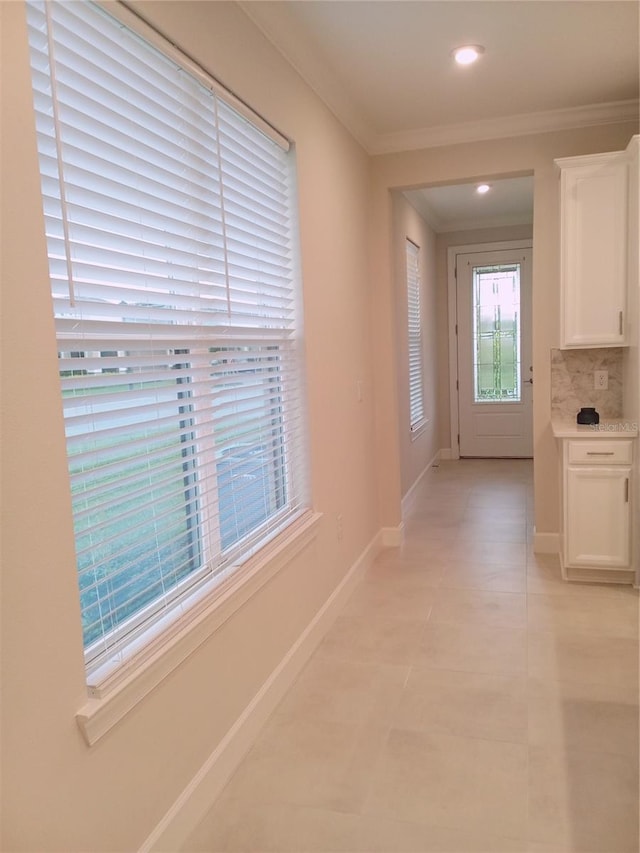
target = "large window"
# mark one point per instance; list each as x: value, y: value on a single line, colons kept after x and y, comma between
x: 172, y: 252
x: 416, y: 354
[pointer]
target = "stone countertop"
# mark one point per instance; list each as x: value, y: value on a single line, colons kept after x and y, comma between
x: 607, y: 428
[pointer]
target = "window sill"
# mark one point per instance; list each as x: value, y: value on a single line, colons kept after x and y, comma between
x: 419, y: 428
x: 114, y: 694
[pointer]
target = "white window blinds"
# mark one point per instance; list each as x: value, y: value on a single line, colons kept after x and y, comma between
x: 170, y: 223
x: 416, y: 358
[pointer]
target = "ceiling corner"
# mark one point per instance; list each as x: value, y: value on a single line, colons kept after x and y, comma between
x: 290, y: 40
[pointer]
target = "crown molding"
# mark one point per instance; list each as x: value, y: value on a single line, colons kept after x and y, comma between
x: 419, y: 202
x: 280, y: 27
x: 524, y: 124
x: 480, y: 223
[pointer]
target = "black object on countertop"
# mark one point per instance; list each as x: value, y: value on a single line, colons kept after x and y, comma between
x: 588, y: 416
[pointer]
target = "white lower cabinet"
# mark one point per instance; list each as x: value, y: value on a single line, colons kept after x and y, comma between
x: 596, y: 508
x: 598, y: 532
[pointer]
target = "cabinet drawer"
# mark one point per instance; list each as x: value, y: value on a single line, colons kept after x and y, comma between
x: 600, y: 452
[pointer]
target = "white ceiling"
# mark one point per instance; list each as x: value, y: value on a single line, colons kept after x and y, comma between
x: 384, y: 68
x: 460, y: 207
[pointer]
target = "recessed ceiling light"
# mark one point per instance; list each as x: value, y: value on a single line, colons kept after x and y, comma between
x: 467, y: 54
x: 483, y: 188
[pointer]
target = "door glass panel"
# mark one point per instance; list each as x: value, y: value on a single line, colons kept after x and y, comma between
x: 496, y: 333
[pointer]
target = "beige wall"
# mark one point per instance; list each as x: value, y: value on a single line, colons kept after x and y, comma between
x: 58, y: 794
x: 415, y: 452
x: 467, y: 163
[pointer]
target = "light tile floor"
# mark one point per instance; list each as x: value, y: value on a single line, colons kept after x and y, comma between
x: 466, y: 699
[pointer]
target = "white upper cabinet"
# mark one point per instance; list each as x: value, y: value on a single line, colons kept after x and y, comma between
x: 594, y: 244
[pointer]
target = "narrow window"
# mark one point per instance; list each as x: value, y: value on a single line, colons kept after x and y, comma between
x: 496, y: 333
x: 416, y: 355
x: 172, y: 251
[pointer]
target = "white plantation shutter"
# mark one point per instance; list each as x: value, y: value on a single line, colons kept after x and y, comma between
x: 171, y: 238
x: 416, y: 357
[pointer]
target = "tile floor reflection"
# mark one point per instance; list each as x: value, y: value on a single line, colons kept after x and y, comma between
x: 466, y: 699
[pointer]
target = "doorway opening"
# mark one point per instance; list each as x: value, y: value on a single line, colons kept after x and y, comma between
x: 489, y: 322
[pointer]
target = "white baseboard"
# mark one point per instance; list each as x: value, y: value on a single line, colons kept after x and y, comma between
x: 392, y: 537
x: 407, y: 498
x: 199, y: 795
x: 546, y: 543
x: 599, y: 576
x: 446, y: 454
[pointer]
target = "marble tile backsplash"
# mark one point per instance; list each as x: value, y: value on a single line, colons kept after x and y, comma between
x: 572, y: 382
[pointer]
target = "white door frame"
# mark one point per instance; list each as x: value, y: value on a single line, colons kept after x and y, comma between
x: 452, y: 253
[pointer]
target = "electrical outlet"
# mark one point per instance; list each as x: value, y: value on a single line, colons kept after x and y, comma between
x: 601, y: 380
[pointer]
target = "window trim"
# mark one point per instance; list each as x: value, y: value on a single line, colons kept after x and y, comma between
x: 418, y: 428
x: 115, y: 693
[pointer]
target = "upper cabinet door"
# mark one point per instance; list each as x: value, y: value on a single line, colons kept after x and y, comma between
x: 594, y: 223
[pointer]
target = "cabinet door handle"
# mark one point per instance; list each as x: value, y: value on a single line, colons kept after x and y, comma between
x: 600, y: 452
x: 620, y: 322
x: 626, y: 491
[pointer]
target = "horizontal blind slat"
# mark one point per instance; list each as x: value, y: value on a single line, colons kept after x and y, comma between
x: 414, y: 329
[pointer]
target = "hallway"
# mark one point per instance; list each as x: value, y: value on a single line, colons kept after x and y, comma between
x: 466, y: 699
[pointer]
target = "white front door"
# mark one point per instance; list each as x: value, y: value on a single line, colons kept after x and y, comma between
x: 495, y: 378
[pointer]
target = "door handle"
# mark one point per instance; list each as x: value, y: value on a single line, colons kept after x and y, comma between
x: 529, y: 381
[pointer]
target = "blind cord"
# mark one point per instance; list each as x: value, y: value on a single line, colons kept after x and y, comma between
x: 223, y: 220
x: 60, y: 162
